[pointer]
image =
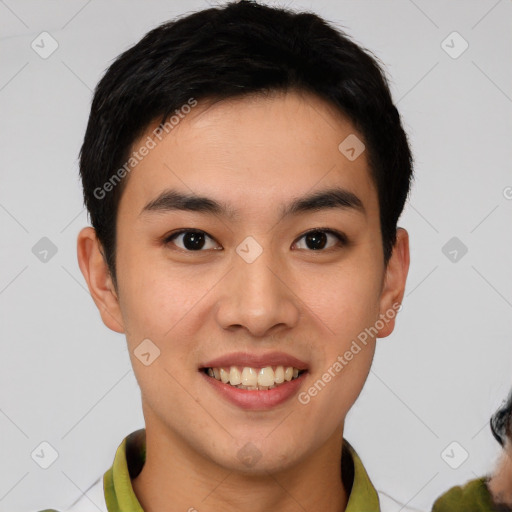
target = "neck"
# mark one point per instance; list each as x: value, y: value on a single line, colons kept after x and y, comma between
x: 176, y: 477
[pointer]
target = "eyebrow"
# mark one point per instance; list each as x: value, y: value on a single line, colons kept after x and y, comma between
x: 170, y: 200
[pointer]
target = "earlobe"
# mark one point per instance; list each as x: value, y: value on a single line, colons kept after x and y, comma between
x: 98, y: 278
x: 394, y: 283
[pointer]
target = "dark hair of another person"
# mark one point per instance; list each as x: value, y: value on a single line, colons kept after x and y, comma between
x: 501, y: 422
x: 227, y: 52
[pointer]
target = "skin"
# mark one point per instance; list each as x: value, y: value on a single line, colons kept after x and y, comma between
x: 500, y: 485
x: 257, y: 154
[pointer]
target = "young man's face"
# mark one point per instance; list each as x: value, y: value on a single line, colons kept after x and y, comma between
x: 253, y: 283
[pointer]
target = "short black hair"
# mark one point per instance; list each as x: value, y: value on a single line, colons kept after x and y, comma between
x: 501, y: 422
x: 230, y: 51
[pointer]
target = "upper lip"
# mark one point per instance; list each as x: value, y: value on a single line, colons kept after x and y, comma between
x: 255, y: 360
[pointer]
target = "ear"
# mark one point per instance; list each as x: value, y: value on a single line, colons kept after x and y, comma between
x: 99, y: 281
x: 394, y: 283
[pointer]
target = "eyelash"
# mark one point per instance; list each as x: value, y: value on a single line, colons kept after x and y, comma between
x: 342, y: 239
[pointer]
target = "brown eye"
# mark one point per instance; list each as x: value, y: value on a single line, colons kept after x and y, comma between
x: 191, y: 240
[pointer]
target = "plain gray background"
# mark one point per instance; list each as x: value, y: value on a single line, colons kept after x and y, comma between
x: 67, y: 380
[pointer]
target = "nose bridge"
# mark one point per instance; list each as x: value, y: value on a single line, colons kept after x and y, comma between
x: 256, y: 296
x: 260, y: 286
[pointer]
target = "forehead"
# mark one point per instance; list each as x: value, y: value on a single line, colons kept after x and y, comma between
x: 253, y: 152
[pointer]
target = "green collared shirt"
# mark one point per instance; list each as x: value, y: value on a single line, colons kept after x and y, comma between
x: 131, y: 455
x: 473, y: 495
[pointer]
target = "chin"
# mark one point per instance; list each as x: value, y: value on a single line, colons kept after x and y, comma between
x: 253, y: 459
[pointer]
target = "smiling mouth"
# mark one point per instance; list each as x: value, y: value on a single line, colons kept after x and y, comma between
x: 254, y: 379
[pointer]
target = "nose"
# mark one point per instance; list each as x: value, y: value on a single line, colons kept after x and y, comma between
x: 258, y: 296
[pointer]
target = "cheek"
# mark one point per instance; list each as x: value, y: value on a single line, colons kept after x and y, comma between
x: 153, y: 296
x: 344, y: 300
x: 167, y: 306
x: 334, y: 389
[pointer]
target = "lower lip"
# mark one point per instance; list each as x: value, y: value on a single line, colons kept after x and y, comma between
x: 253, y: 399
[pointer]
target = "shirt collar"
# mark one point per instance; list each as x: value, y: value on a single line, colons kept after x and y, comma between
x: 131, y: 455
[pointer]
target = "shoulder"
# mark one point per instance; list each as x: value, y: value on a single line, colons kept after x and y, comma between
x: 473, y: 494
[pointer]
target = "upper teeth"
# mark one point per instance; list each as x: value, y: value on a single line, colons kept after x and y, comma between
x: 267, y: 377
